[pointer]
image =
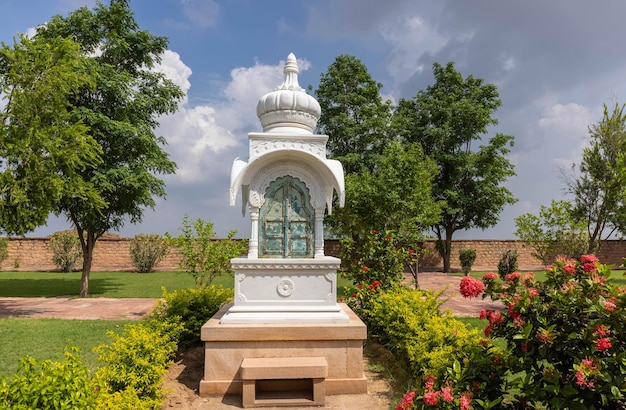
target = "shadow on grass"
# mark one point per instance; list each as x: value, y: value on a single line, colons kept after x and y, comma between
x: 53, y: 287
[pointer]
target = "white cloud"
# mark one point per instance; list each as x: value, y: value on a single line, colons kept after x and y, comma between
x: 199, y: 136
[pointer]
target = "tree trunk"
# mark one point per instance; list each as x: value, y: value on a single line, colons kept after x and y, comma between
x: 88, y: 244
x: 447, y: 250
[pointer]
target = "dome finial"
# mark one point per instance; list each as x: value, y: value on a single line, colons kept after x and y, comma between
x: 288, y: 109
x: 291, y: 71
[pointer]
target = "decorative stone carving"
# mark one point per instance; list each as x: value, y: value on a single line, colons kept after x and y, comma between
x: 285, y: 287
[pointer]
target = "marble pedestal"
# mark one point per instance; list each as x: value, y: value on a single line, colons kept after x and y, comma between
x: 269, y: 290
x: 227, y: 345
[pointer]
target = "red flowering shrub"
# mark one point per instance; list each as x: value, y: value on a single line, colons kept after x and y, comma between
x: 377, y: 256
x: 566, y: 336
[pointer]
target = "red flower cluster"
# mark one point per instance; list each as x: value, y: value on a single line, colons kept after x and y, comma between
x: 603, y: 344
x: 489, y: 276
x: 471, y: 287
x: 589, y: 263
x: 407, y: 401
x: 513, y: 277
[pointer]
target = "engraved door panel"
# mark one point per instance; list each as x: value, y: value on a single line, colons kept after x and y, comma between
x: 273, y: 238
x: 287, y: 220
x: 299, y: 233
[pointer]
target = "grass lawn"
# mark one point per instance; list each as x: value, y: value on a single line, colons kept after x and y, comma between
x: 46, y: 339
x: 101, y: 284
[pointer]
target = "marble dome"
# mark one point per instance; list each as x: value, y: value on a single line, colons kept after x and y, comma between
x: 288, y: 109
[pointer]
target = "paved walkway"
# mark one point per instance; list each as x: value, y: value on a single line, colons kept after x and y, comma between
x: 135, y: 308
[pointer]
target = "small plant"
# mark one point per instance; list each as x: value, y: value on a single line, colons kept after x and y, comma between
x: 49, y: 384
x: 4, y: 249
x: 147, y: 251
x: 136, y: 360
x: 66, y: 250
x: 507, y: 263
x: 202, y: 255
x: 16, y: 263
x: 467, y: 257
x: 191, y: 308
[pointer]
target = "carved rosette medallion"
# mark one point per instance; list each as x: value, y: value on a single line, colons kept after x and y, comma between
x: 285, y: 287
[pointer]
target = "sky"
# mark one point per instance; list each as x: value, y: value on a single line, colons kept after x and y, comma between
x: 555, y: 64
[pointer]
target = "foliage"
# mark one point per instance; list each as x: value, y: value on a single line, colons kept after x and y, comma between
x: 376, y: 257
x: 556, y: 230
x: 445, y: 119
x: 137, y: 359
x: 44, y: 145
x: 395, y: 196
x: 121, y: 112
x: 354, y: 116
x: 147, y: 251
x: 507, y: 263
x: 433, y: 345
x: 202, y: 255
x: 49, y: 385
x: 4, y: 249
x: 599, y: 193
x: 566, y: 336
x: 467, y: 257
x: 66, y: 250
x: 192, y: 308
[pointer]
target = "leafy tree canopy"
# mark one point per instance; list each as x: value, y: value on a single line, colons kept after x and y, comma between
x: 446, y: 119
x: 354, y: 116
x: 122, y: 113
x: 44, y: 144
x: 599, y: 189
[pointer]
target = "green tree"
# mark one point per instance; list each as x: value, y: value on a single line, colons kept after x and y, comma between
x: 203, y: 255
x: 395, y: 196
x: 446, y: 119
x: 556, y: 230
x: 354, y: 116
x: 600, y: 188
x: 122, y: 113
x: 44, y: 144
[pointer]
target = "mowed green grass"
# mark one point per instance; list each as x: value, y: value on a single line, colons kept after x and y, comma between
x: 101, y: 284
x: 47, y: 338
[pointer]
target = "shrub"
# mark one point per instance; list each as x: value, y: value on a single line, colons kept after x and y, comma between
x: 376, y: 257
x: 147, y: 251
x: 566, y: 336
x: 49, y: 385
x: 202, y: 255
x: 507, y: 263
x: 192, y: 308
x: 467, y: 257
x: 66, y: 250
x: 411, y: 324
x: 137, y: 359
x: 4, y: 249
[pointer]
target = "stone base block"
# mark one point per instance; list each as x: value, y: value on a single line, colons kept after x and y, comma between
x: 228, y: 345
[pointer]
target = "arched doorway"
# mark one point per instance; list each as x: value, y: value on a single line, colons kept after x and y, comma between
x: 286, y: 220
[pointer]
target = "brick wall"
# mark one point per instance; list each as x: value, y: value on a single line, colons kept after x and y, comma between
x: 112, y: 254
